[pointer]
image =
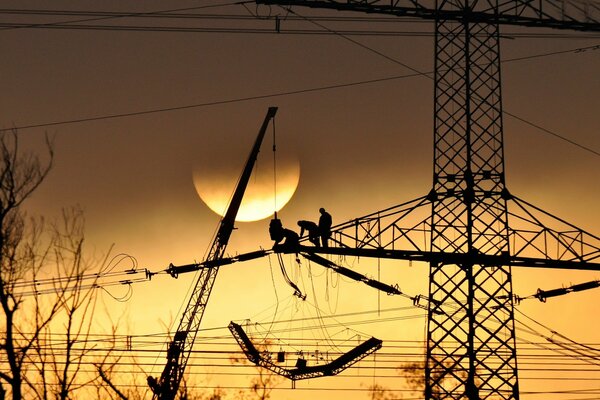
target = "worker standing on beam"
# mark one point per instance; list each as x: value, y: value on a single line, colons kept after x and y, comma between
x: 325, y: 222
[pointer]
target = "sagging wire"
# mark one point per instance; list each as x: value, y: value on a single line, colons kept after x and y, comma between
x: 329, y: 338
x: 276, y: 295
x: 337, y: 292
x: 582, y: 353
x: 297, y: 291
x: 268, y: 336
x: 379, y: 279
x: 126, y: 297
x: 329, y: 277
x: 269, y: 15
x: 320, y: 319
x: 335, y: 284
x: 349, y: 314
x: 102, y: 279
x: 265, y: 335
x: 255, y: 329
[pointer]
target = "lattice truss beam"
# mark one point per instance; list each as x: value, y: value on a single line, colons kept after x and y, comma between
x: 561, y: 14
x: 536, y: 237
x: 265, y: 359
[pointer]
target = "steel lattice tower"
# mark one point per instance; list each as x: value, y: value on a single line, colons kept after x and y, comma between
x: 471, y: 350
x: 475, y: 344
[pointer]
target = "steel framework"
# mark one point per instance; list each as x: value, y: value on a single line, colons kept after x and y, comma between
x: 474, y: 344
x: 469, y: 236
x: 179, y: 349
x: 302, y: 371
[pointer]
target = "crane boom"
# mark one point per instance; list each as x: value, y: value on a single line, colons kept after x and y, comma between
x: 180, y: 347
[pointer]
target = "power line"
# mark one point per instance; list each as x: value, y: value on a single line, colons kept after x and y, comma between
x: 279, y: 31
x: 552, y: 133
x: 106, y: 277
x: 176, y: 14
x: 304, y: 91
x: 428, y: 76
x: 216, y: 362
x: 95, y: 16
x: 398, y: 346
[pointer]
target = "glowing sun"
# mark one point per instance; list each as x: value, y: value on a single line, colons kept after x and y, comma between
x: 216, y: 187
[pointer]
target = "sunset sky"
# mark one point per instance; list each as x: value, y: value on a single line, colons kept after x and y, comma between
x: 361, y: 148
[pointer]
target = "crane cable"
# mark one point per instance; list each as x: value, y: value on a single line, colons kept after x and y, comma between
x: 286, y: 277
x: 274, y: 172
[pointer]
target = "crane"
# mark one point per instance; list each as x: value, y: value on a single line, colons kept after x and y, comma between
x: 179, y: 349
x: 477, y: 229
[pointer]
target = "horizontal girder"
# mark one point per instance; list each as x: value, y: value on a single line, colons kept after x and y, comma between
x: 454, y: 258
x: 560, y: 14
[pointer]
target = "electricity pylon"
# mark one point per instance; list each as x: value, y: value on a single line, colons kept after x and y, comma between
x: 476, y: 229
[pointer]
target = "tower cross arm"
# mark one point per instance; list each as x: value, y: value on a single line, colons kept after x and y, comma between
x: 455, y: 258
x: 581, y: 15
x: 536, y: 239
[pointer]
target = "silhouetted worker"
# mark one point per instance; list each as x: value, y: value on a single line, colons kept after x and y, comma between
x: 276, y: 230
x: 153, y: 383
x: 324, y: 226
x: 312, y: 229
x: 292, y: 240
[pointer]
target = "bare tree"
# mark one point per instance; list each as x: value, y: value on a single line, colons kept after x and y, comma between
x: 118, y: 385
x: 63, y: 348
x: 47, y: 306
x: 20, y: 175
x: 414, y: 373
x: 379, y: 392
x: 264, y: 382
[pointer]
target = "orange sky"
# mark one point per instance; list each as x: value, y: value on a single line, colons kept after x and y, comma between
x: 361, y: 149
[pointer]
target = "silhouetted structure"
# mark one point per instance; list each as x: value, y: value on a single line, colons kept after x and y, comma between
x: 302, y: 370
x: 276, y: 230
x: 325, y: 227
x: 312, y: 229
x: 469, y: 243
x: 179, y: 350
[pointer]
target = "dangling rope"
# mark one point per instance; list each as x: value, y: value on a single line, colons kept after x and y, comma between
x: 286, y: 277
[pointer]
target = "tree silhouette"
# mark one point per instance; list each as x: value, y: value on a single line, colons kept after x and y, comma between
x: 33, y: 363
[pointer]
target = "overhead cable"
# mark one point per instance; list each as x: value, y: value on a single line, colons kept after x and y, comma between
x: 429, y: 76
x: 95, y: 16
x: 304, y: 91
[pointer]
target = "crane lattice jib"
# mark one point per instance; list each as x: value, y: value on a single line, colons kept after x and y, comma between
x: 471, y: 348
x: 180, y: 348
